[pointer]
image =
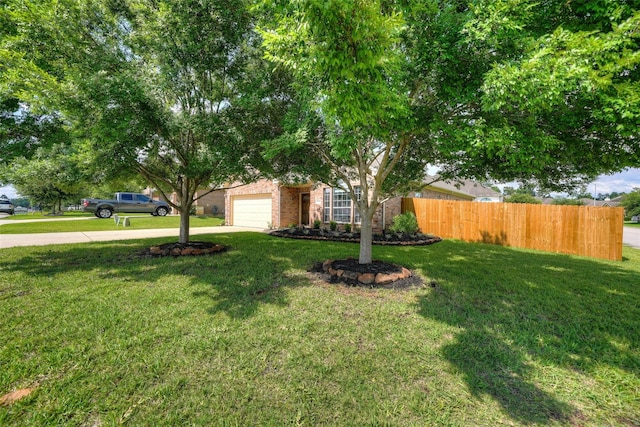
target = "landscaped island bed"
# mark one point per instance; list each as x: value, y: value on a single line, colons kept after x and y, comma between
x: 385, y: 238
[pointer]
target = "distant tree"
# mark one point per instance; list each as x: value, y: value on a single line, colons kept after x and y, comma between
x: 522, y: 198
x: 581, y: 194
x: 523, y: 188
x: 565, y: 201
x: 21, y: 201
x: 507, y: 191
x: 631, y: 202
x: 151, y: 85
x: 615, y: 194
x: 50, y: 177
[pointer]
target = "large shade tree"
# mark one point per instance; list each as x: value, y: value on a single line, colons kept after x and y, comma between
x: 357, y: 118
x: 496, y: 89
x: 151, y: 85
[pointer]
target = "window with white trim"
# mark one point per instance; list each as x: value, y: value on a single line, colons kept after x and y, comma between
x: 341, y: 206
x: 326, y: 213
x: 356, y: 211
x: 338, y: 206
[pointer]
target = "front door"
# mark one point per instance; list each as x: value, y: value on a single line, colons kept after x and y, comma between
x: 305, y: 206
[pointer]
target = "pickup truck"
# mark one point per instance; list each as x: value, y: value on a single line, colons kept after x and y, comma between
x: 125, y: 203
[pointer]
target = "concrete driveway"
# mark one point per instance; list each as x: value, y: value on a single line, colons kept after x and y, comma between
x: 39, y: 239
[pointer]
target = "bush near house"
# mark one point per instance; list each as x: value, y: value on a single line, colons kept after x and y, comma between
x: 405, y: 223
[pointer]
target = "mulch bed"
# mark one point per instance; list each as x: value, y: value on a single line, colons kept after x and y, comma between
x: 184, y: 249
x: 377, y: 274
x: 397, y: 239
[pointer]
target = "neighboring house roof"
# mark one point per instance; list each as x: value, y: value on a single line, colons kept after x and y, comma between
x: 466, y: 188
x: 602, y: 203
x: 617, y: 200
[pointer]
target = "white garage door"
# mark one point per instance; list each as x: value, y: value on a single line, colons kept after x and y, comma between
x: 252, y: 211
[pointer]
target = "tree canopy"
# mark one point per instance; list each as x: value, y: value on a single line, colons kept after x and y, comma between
x: 22, y: 131
x: 491, y: 90
x: 563, y: 89
x: 154, y: 87
x: 359, y: 94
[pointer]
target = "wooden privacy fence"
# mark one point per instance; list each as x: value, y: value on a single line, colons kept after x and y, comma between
x: 578, y: 230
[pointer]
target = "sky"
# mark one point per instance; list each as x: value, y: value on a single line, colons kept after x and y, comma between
x: 623, y: 182
x: 8, y: 191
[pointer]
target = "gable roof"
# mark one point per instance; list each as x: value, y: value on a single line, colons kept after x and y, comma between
x: 464, y: 187
x: 606, y: 203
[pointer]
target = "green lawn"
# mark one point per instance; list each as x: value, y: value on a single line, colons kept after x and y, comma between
x: 632, y: 224
x: 246, y: 337
x: 138, y: 221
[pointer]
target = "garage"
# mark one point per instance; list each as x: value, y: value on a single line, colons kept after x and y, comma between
x: 252, y: 211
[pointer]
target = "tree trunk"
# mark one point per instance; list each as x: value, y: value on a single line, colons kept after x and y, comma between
x: 184, y: 224
x: 366, y: 236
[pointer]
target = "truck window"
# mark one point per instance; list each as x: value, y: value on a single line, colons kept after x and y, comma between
x: 126, y: 197
x: 142, y: 198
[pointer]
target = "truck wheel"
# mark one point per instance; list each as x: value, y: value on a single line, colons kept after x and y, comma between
x: 104, y: 213
x: 162, y: 211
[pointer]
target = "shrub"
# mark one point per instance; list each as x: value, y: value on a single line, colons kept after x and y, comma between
x: 347, y: 228
x: 522, y: 198
x: 316, y: 224
x: 405, y: 223
x: 333, y: 226
x: 567, y: 202
x: 631, y: 203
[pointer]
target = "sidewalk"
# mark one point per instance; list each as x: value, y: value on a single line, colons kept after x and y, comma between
x: 12, y: 240
x: 21, y: 221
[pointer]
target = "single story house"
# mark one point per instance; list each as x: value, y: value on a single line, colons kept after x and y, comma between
x: 607, y: 203
x: 272, y: 204
x: 466, y: 189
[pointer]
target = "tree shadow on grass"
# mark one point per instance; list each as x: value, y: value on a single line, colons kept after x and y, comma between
x: 237, y: 282
x: 515, y: 308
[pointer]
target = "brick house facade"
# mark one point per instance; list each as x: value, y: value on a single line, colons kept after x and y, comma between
x: 302, y: 204
x: 278, y: 205
x: 210, y: 204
